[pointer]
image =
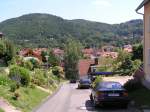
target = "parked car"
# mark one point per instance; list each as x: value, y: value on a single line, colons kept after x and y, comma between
x: 109, y: 93
x: 73, y: 80
x: 84, y: 83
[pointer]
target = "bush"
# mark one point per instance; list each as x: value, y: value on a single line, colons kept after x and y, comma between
x: 20, y: 75
x: 39, y: 78
x: 32, y: 86
x: 132, y: 85
x: 28, y: 65
x: 97, y: 80
x: 16, y: 95
x: 55, y: 71
x: 13, y: 87
x: 4, y: 80
x: 35, y: 63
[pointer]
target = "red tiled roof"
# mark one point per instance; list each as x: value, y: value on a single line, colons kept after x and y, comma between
x: 88, y: 51
x: 29, y: 52
x: 84, y: 66
x: 58, y: 51
x: 110, y: 54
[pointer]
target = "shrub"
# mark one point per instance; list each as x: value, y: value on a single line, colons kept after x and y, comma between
x: 13, y: 87
x: 28, y: 65
x: 35, y: 63
x: 55, y: 71
x: 16, y: 95
x: 20, y: 75
x: 4, y: 80
x: 32, y: 86
x: 132, y: 85
x: 38, y: 77
x: 97, y: 80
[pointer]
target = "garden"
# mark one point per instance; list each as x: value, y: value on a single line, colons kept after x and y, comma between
x: 21, y: 83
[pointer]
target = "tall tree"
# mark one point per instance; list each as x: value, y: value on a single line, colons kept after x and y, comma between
x: 137, y: 52
x: 72, y: 56
x: 10, y: 50
x: 7, y: 50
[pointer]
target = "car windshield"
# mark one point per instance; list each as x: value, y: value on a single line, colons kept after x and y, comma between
x: 109, y: 85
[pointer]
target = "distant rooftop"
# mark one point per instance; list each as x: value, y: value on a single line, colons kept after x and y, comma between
x: 1, y: 33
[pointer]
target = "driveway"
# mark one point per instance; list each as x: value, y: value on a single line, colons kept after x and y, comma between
x: 71, y: 99
x: 121, y: 79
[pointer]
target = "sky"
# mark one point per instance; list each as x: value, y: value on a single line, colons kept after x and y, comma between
x: 106, y: 11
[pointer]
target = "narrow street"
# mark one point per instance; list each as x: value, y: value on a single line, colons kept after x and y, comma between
x: 71, y: 99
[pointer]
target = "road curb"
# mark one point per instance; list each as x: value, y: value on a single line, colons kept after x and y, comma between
x: 49, y: 97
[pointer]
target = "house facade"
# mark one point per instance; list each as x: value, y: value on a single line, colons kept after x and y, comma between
x: 146, y: 57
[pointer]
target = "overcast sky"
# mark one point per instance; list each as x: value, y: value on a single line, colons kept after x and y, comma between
x: 108, y: 11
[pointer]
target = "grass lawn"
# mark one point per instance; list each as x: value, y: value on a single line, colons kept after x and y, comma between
x: 1, y: 110
x: 29, y: 97
x: 141, y: 96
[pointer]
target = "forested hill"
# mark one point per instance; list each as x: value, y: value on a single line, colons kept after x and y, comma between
x: 45, y: 30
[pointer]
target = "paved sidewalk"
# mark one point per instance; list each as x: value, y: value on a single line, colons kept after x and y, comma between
x: 7, y: 107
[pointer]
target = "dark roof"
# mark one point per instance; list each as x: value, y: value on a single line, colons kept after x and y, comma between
x: 142, y: 4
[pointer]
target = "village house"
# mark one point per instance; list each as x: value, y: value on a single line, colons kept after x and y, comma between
x: 32, y: 52
x: 88, y: 52
x: 127, y: 48
x: 58, y: 52
x: 84, y: 66
x: 113, y: 55
x: 96, y: 53
x: 146, y: 57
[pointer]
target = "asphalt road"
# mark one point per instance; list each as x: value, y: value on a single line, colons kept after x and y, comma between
x: 71, y: 99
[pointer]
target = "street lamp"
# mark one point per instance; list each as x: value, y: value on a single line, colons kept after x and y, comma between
x: 47, y: 60
x: 46, y: 57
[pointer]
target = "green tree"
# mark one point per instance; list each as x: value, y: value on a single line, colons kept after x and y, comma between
x: 35, y: 63
x: 10, y: 51
x: 126, y: 66
x: 2, y: 49
x: 7, y: 50
x: 20, y: 75
x: 124, y: 63
x: 43, y: 54
x: 138, y: 52
x: 122, y: 55
x: 53, y: 60
x: 72, y: 56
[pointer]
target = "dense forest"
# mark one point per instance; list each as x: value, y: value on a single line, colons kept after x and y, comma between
x: 45, y: 30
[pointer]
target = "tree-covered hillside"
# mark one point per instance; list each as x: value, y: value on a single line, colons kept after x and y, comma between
x: 45, y: 30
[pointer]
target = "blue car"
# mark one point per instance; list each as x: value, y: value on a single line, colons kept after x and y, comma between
x: 109, y: 93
